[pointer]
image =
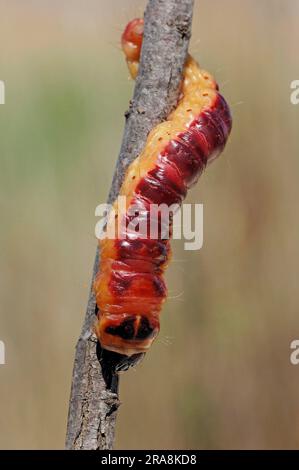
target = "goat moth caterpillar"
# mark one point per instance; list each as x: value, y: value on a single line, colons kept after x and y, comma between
x: 129, y: 286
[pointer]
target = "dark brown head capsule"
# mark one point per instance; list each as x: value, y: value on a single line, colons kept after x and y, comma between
x: 127, y: 334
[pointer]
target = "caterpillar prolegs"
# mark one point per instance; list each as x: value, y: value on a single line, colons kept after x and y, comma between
x: 129, y: 287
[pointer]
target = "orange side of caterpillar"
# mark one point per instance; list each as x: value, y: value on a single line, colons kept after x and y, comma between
x: 130, y: 288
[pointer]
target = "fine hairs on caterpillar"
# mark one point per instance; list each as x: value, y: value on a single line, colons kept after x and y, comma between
x: 129, y: 286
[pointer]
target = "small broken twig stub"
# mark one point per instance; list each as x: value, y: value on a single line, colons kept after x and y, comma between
x: 94, y: 394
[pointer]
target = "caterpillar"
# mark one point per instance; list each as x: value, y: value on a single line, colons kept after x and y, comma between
x: 129, y: 287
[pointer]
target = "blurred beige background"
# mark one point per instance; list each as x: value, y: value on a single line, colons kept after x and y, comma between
x: 219, y: 375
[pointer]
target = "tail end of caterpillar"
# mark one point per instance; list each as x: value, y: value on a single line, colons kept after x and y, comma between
x: 131, y: 42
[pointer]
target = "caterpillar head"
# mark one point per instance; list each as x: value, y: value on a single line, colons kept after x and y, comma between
x: 131, y: 39
x: 127, y: 334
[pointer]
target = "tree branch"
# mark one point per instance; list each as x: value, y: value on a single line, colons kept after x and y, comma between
x: 94, y: 394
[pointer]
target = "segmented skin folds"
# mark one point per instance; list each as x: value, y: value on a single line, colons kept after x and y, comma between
x: 130, y: 287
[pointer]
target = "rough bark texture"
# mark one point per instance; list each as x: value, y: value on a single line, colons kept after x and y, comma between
x: 94, y: 394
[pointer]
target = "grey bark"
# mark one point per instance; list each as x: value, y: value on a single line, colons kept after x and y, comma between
x: 94, y: 393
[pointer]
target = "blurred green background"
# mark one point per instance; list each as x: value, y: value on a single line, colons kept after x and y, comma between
x: 219, y: 375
